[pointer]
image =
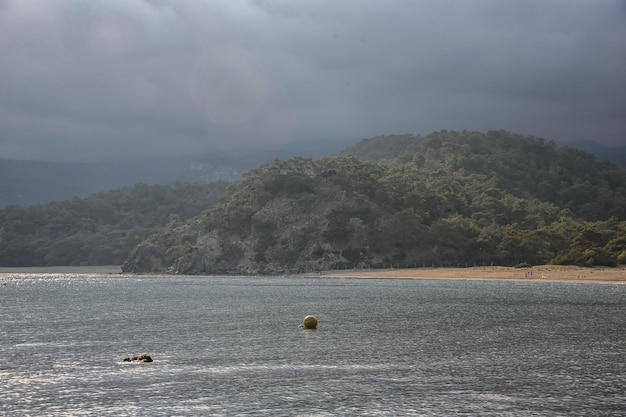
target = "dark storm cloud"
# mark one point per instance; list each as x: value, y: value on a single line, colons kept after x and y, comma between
x: 128, y: 77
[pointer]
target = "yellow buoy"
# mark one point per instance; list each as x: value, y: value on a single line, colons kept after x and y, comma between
x: 310, y: 322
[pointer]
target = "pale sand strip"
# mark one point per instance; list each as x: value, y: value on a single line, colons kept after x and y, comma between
x: 539, y: 273
x: 100, y: 269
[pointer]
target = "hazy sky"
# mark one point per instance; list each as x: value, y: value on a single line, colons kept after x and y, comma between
x: 105, y: 78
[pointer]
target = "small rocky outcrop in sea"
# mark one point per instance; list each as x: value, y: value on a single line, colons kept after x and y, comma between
x: 141, y: 358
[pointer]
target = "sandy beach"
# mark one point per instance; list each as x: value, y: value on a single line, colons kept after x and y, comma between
x: 536, y: 273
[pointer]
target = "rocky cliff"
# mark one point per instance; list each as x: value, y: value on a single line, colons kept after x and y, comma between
x: 280, y: 219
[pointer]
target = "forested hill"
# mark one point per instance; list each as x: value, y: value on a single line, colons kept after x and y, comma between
x: 100, y: 229
x: 523, y: 166
x: 448, y: 198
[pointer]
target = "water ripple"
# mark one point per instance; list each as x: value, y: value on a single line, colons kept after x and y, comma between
x: 222, y: 347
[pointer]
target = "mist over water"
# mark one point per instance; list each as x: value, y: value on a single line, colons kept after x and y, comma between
x: 233, y: 346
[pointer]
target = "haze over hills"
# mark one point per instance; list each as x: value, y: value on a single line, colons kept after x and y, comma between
x: 35, y: 182
x: 615, y: 154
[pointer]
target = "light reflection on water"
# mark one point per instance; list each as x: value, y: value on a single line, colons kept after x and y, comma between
x: 232, y: 346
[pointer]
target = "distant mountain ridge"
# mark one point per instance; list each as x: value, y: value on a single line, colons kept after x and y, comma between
x: 614, y: 154
x: 37, y: 182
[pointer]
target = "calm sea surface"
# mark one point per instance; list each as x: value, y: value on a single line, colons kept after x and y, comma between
x: 233, y: 346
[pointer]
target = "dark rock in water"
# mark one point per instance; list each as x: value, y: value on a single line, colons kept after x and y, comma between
x: 141, y: 358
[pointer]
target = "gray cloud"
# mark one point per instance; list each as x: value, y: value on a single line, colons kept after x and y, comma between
x: 100, y: 79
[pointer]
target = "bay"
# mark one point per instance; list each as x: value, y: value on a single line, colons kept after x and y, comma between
x: 233, y: 346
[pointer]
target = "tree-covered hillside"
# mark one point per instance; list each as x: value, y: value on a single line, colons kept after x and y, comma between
x: 523, y: 166
x: 98, y: 230
x: 449, y: 198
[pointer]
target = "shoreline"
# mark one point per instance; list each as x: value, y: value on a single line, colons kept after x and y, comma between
x: 98, y: 269
x: 540, y: 273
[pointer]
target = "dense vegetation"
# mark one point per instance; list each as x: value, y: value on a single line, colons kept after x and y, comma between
x: 100, y: 229
x: 525, y: 167
x: 449, y: 198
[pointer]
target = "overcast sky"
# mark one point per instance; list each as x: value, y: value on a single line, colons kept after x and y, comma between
x: 97, y: 79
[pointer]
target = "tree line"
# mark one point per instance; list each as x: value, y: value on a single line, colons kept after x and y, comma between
x: 100, y: 229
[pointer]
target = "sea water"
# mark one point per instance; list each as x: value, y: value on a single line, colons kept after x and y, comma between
x: 233, y: 346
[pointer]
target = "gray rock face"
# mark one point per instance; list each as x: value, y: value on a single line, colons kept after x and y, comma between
x: 284, y: 238
x: 288, y: 217
x: 191, y: 249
